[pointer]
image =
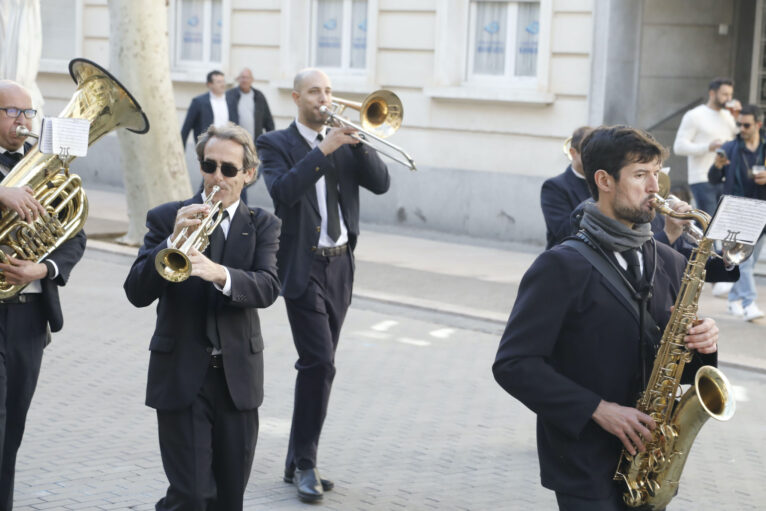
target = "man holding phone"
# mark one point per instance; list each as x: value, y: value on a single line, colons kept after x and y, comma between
x: 739, y: 165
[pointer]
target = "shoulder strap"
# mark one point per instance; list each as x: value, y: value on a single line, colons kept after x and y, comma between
x: 605, y: 269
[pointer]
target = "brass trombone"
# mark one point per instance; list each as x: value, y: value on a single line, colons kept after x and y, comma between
x: 567, y: 145
x: 380, y: 116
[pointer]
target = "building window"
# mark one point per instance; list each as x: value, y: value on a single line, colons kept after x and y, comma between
x: 503, y: 40
x: 339, y: 35
x: 62, y: 33
x: 197, y: 34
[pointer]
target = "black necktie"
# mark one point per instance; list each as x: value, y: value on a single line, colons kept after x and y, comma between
x: 217, y: 243
x: 634, y: 268
x: 331, y: 198
x: 10, y: 159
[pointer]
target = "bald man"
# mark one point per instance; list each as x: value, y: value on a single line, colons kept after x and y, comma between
x: 27, y: 318
x: 313, y: 175
x: 248, y: 106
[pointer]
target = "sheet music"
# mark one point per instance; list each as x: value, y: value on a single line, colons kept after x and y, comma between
x: 738, y: 219
x: 61, y: 135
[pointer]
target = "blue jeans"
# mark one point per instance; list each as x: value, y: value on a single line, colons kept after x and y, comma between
x: 744, y: 289
x: 706, y: 196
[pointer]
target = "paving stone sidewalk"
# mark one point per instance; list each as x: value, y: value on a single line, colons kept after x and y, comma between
x: 416, y: 421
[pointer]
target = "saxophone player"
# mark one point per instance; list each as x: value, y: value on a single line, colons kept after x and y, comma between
x: 573, y: 351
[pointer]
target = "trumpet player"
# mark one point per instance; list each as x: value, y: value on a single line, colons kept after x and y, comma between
x: 27, y: 318
x: 561, y: 194
x: 313, y: 175
x: 571, y: 351
x: 206, y: 365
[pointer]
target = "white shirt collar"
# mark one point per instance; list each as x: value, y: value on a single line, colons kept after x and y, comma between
x: 231, y: 209
x: 213, y: 97
x: 577, y: 174
x: 20, y: 150
x: 309, y: 134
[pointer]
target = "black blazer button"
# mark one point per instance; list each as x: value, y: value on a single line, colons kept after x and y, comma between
x: 209, y: 349
x: 313, y: 249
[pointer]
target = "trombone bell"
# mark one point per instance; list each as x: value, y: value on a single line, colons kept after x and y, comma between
x: 380, y: 115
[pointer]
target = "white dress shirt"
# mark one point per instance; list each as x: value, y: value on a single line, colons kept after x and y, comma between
x: 220, y: 109
x: 321, y: 190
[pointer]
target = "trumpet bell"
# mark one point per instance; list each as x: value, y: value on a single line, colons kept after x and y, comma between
x: 381, y: 113
x: 173, y: 265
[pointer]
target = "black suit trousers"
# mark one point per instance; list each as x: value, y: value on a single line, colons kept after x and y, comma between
x: 612, y: 503
x: 316, y: 318
x: 23, y: 335
x: 207, y: 450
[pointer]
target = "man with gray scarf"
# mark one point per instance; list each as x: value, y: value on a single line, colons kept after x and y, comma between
x: 575, y: 350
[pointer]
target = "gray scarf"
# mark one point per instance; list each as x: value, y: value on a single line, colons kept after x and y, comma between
x: 612, y: 234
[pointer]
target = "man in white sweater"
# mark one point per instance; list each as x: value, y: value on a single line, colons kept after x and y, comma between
x: 703, y: 130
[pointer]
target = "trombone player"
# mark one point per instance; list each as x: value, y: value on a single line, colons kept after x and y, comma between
x: 206, y: 366
x: 27, y: 318
x: 313, y: 175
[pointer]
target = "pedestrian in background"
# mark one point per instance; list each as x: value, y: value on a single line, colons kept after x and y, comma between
x: 704, y: 129
x: 740, y: 167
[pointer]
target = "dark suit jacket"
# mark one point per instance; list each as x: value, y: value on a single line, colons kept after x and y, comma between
x: 263, y: 119
x: 559, y: 196
x: 291, y: 169
x: 65, y: 257
x: 199, y: 117
x: 180, y: 350
x: 570, y: 342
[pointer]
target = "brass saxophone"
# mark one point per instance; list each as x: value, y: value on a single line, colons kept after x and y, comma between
x: 652, y: 477
x: 102, y: 100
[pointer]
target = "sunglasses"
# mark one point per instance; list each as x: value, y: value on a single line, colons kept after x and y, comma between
x: 227, y: 169
x: 745, y: 125
x: 13, y: 112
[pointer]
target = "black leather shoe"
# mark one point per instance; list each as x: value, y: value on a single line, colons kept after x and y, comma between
x: 327, y: 485
x: 309, y: 484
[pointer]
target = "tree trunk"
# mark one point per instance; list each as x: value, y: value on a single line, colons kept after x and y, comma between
x: 154, y: 169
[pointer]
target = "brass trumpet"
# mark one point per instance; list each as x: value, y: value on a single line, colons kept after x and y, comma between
x: 173, y: 263
x: 380, y: 116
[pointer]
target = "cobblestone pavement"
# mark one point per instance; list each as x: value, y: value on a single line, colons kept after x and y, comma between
x: 415, y: 422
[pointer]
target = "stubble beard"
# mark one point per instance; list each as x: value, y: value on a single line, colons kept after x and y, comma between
x: 634, y: 215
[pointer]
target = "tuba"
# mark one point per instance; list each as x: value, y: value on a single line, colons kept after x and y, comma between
x: 652, y: 477
x: 102, y: 100
x: 173, y: 263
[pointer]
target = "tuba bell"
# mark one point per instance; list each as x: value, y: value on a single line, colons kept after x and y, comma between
x: 102, y: 100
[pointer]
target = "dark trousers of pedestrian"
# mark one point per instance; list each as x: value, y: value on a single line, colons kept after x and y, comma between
x: 612, y: 503
x: 207, y: 450
x: 316, y: 318
x: 23, y: 336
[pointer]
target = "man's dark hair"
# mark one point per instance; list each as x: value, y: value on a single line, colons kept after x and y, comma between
x: 213, y: 73
x: 610, y: 148
x: 578, y: 135
x: 716, y: 83
x: 753, y: 110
